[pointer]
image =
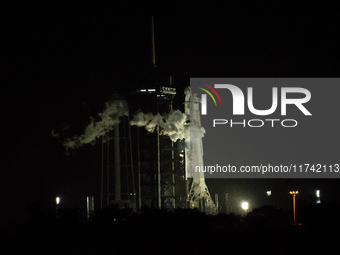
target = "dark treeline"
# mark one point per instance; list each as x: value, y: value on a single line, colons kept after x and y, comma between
x: 264, y: 230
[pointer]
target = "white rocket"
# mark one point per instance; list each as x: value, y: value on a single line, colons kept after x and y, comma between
x: 199, y: 193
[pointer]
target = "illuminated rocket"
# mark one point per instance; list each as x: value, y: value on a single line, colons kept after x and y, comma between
x: 199, y: 193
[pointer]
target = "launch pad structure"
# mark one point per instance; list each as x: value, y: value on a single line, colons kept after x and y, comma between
x: 150, y: 171
x: 154, y: 171
x: 160, y: 161
x: 117, y: 169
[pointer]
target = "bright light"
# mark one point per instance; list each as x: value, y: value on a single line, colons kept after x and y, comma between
x: 318, y: 193
x: 151, y: 89
x: 245, y: 205
x: 318, y: 201
x: 293, y: 192
x: 57, y: 200
x: 143, y: 90
x: 269, y: 192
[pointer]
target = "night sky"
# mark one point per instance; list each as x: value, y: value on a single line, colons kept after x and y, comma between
x: 61, y: 63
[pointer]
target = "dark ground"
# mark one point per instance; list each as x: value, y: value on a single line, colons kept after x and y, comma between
x: 265, y: 230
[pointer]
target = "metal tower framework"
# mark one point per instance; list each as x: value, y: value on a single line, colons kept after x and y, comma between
x: 117, y: 175
x: 161, y: 165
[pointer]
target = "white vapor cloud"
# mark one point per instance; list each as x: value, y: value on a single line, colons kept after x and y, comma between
x: 172, y: 124
x: 54, y: 134
x: 115, y: 109
x: 175, y: 125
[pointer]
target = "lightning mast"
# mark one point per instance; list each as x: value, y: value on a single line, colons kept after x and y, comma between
x: 198, y: 195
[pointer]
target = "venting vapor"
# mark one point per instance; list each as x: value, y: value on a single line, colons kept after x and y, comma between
x: 172, y: 124
x: 115, y: 108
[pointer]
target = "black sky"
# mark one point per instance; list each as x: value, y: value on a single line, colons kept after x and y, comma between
x: 60, y: 63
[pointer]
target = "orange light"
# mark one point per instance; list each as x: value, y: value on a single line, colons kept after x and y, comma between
x: 294, y: 193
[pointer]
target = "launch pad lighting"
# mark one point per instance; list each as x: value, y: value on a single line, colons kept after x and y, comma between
x: 318, y: 200
x: 245, y: 205
x: 294, y: 193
